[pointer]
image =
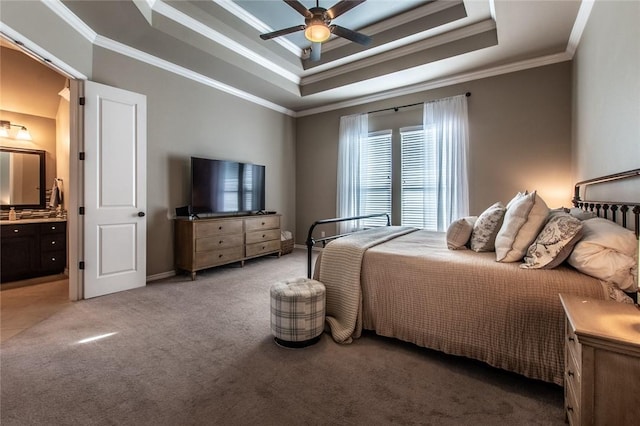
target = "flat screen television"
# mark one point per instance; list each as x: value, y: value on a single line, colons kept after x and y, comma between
x: 220, y: 186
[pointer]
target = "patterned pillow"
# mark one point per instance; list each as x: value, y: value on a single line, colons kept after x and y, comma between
x: 554, y: 243
x: 522, y: 224
x: 483, y: 236
x: 459, y: 232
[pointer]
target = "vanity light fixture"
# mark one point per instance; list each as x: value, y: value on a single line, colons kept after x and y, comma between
x: 23, y: 133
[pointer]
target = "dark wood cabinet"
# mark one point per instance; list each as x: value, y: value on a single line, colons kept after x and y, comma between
x: 32, y: 249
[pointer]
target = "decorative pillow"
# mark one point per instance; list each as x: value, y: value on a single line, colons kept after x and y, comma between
x: 522, y: 223
x: 486, y: 228
x: 554, y: 243
x: 459, y: 232
x: 609, y: 252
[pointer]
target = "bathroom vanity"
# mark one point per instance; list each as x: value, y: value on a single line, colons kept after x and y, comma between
x: 32, y: 248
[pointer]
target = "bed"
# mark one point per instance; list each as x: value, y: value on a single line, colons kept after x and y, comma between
x: 406, y: 283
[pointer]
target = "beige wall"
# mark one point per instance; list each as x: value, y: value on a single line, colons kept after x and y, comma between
x: 520, y: 138
x: 185, y: 119
x: 606, y: 97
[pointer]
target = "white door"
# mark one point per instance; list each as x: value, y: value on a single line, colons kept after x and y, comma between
x: 115, y: 147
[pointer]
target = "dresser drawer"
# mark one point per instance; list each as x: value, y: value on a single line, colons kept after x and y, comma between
x: 572, y: 373
x: 8, y: 231
x: 54, y: 261
x: 572, y: 408
x: 261, y: 223
x: 49, y: 242
x: 574, y: 349
x: 218, y: 257
x: 217, y: 227
x: 218, y: 242
x: 262, y: 236
x: 53, y: 228
x: 263, y: 248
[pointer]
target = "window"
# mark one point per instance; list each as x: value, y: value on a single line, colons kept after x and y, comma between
x: 375, y: 177
x: 419, y: 179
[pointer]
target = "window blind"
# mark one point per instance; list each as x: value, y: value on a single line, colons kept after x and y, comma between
x: 419, y: 178
x: 375, y: 178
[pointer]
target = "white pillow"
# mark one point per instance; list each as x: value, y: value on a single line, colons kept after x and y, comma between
x: 523, y: 220
x: 607, y: 251
x: 459, y: 232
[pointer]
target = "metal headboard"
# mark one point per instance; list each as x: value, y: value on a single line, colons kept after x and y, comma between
x: 609, y: 209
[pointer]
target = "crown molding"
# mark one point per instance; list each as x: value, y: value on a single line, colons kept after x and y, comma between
x: 136, y: 54
x: 579, y: 25
x: 36, y: 52
x: 444, y: 82
x: 257, y: 24
x: 395, y: 53
x: 71, y: 19
x: 188, y: 22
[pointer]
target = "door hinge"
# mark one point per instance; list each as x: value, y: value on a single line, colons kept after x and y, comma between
x: 81, y: 265
x: 81, y: 100
x: 81, y: 155
x: 81, y: 210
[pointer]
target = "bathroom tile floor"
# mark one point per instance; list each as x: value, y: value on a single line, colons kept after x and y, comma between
x: 26, y: 303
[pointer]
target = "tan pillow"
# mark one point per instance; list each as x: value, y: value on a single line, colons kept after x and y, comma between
x: 459, y: 233
x: 486, y: 228
x: 522, y: 223
x: 554, y: 243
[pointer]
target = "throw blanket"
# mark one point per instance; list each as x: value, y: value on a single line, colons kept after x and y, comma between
x: 340, y: 273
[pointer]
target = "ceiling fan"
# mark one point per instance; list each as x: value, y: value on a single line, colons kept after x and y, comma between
x: 318, y: 27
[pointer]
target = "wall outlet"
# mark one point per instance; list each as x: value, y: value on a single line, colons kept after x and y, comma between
x: 321, y: 234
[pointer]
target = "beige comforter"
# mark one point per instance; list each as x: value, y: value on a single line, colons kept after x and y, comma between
x: 465, y: 303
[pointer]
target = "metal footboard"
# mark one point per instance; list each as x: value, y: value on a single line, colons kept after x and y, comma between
x: 312, y: 241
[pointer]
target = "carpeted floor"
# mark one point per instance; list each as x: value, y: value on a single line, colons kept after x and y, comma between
x: 201, y: 353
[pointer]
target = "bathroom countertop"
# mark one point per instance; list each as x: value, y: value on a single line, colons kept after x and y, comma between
x: 32, y: 220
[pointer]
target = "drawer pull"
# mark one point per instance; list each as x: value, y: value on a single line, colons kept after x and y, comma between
x: 262, y: 223
x: 220, y: 242
x: 16, y: 230
x: 53, y: 243
x: 220, y: 256
x: 263, y: 235
x: 220, y: 228
x: 571, y: 339
x: 53, y: 228
x: 570, y: 373
x: 569, y: 408
x: 53, y: 259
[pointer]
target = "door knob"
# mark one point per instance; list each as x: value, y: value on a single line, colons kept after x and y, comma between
x: 141, y: 214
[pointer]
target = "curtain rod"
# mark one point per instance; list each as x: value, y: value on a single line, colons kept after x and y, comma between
x: 396, y: 108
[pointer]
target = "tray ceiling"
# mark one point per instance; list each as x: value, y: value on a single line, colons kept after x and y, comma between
x: 415, y: 42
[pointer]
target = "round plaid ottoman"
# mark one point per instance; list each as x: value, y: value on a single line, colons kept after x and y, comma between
x: 297, y: 312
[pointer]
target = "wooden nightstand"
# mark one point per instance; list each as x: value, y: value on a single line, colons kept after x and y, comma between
x: 602, y: 362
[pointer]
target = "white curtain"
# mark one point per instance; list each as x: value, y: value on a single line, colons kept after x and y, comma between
x: 447, y: 120
x: 353, y: 129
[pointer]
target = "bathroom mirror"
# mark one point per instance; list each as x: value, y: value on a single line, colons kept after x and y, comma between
x: 22, y: 178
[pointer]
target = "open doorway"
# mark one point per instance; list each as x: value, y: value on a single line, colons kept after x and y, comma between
x: 34, y: 98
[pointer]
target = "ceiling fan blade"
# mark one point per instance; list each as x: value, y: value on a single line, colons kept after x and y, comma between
x: 350, y: 35
x: 282, y: 32
x: 299, y: 7
x: 342, y: 7
x: 316, y: 48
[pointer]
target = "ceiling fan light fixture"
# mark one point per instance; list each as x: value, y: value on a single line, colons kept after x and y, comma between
x: 317, y: 32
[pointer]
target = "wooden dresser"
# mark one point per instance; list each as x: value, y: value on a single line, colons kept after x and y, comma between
x: 602, y: 362
x: 32, y: 248
x: 205, y: 243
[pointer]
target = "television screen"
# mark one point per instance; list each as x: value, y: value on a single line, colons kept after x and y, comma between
x: 219, y: 186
